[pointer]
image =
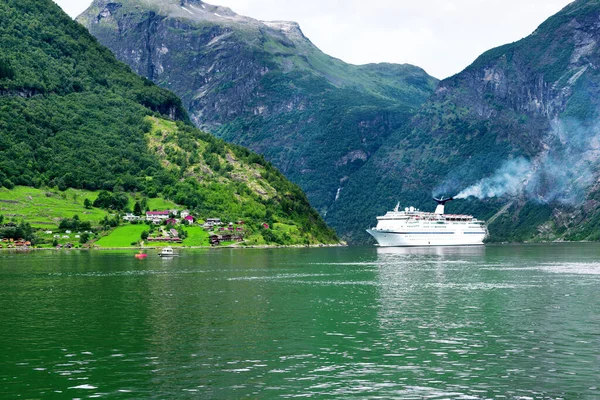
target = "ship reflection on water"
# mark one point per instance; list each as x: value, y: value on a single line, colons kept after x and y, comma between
x: 433, y: 250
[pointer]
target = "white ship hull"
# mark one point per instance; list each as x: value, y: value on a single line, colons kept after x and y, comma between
x: 413, y: 227
x: 404, y: 239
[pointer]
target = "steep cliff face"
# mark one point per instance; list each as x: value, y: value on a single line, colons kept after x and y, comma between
x: 520, y: 124
x: 265, y: 85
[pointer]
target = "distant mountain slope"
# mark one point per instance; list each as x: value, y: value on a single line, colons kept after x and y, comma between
x: 71, y: 115
x: 266, y: 86
x: 524, y: 118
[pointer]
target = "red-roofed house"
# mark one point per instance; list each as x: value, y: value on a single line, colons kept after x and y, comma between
x: 189, y: 219
x: 157, y: 216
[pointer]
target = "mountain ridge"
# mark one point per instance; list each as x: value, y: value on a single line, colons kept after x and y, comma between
x: 315, y: 117
x: 523, y: 116
x: 527, y: 109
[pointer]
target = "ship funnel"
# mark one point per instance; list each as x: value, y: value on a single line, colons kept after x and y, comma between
x: 441, y: 203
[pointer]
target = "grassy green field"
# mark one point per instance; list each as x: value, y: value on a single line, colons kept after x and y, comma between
x: 157, y: 203
x: 122, y: 236
x: 45, y: 208
x: 197, y: 236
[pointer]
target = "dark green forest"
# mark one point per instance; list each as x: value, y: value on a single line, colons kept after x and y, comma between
x: 72, y: 116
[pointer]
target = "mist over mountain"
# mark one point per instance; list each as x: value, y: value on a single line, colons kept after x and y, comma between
x: 266, y: 86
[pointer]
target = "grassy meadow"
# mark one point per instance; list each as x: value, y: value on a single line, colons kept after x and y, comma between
x: 45, y: 208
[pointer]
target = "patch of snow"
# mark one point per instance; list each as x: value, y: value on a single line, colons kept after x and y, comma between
x: 218, y: 15
x: 187, y: 10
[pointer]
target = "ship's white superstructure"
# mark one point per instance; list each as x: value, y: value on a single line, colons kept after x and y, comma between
x: 413, y: 227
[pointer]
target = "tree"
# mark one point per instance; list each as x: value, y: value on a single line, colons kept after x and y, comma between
x: 144, y: 235
x: 137, y: 208
x: 144, y: 204
x: 84, y: 238
x: 104, y: 200
x: 114, y: 201
x: 87, y: 203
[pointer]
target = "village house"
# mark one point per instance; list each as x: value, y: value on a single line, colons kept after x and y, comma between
x: 188, y: 219
x: 184, y: 214
x: 130, y: 217
x: 212, y: 222
x: 216, y: 240
x: 172, y: 221
x: 157, y: 217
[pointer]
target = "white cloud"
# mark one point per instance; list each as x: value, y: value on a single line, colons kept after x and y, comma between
x: 442, y: 36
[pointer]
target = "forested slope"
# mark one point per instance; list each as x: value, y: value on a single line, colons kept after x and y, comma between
x: 71, y: 115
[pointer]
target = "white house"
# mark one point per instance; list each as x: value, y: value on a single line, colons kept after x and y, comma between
x: 157, y: 217
x: 152, y: 215
x: 130, y: 217
x: 184, y: 214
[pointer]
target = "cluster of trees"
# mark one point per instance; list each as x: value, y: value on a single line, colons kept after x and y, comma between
x: 111, y: 201
x: 22, y: 230
x: 74, y: 224
x: 72, y: 115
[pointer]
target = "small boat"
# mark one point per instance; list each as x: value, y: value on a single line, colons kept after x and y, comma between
x: 141, y: 256
x: 167, y: 252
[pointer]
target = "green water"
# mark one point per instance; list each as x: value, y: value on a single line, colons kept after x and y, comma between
x: 494, y: 322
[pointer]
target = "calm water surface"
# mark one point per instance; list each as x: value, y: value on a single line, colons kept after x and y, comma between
x: 494, y: 322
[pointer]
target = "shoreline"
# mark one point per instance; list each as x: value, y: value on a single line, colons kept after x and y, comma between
x: 137, y: 248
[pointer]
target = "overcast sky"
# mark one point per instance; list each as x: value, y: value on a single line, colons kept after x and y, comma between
x: 441, y: 36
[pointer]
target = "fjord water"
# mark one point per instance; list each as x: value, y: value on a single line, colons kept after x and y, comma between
x: 493, y: 322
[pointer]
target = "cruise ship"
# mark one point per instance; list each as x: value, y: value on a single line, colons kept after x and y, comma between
x: 413, y: 227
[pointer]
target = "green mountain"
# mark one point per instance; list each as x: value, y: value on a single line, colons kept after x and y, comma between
x: 516, y: 134
x: 72, y: 116
x: 266, y: 86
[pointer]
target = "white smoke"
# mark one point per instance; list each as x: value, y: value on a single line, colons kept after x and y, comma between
x: 563, y: 173
x: 508, y: 180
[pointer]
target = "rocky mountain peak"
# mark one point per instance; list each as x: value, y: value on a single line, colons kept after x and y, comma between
x: 290, y: 29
